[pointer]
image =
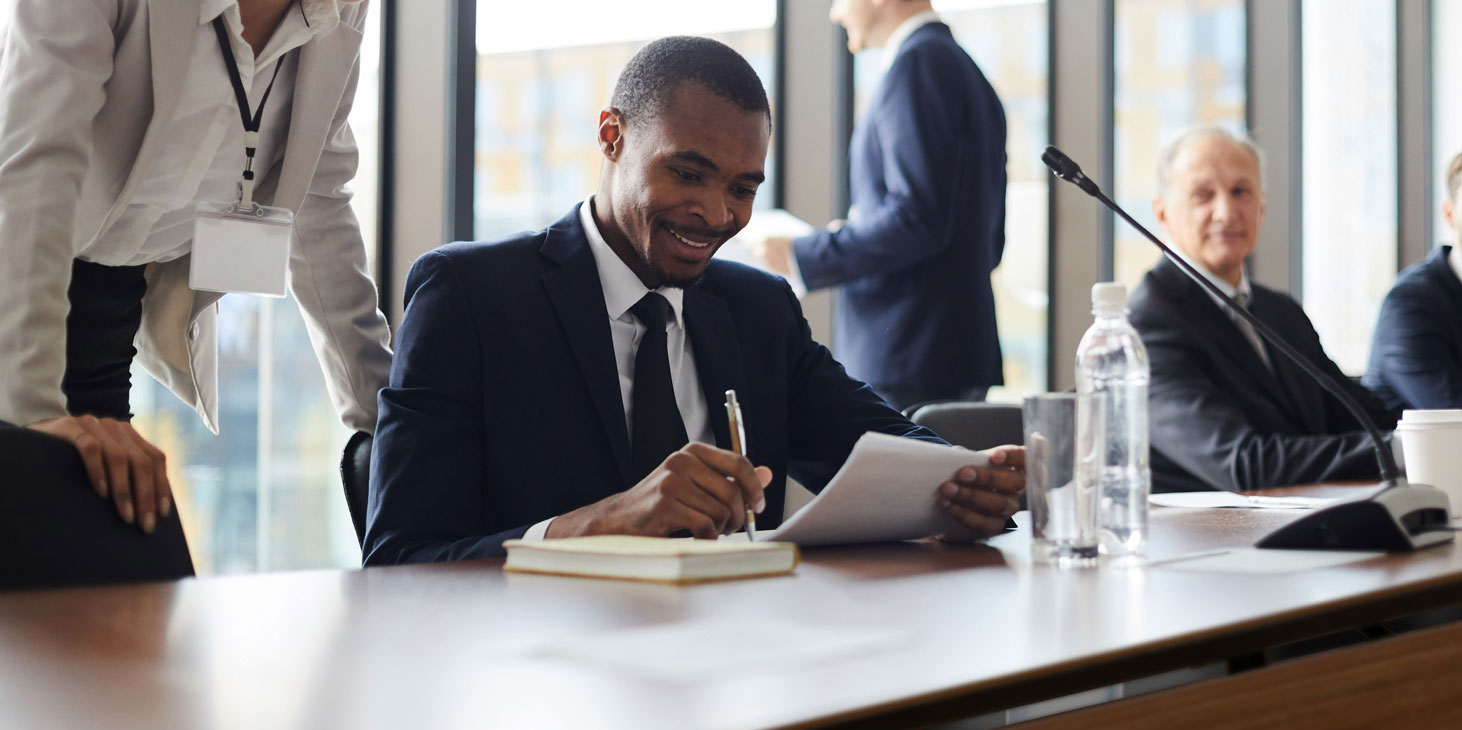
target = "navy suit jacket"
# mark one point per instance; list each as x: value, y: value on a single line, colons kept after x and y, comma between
x: 1416, y: 354
x: 504, y: 406
x: 1218, y: 418
x: 927, y: 169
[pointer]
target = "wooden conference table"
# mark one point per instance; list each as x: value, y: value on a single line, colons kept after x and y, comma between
x: 936, y: 632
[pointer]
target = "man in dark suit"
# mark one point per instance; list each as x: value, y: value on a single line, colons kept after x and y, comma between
x: 915, y: 312
x: 547, y: 385
x: 1416, y: 353
x: 1226, y: 411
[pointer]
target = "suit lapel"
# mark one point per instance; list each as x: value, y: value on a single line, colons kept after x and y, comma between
x: 1228, y: 341
x: 1303, y: 395
x: 717, y: 355
x: 325, y: 65
x: 578, y: 299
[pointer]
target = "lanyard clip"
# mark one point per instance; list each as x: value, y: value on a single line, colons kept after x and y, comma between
x: 246, y: 193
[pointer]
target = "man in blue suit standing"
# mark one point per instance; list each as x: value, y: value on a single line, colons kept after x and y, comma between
x: 1416, y: 352
x: 570, y: 381
x: 915, y: 313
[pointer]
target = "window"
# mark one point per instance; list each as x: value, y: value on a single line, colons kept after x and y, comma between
x: 1350, y: 150
x: 1178, y: 63
x: 541, y: 82
x: 265, y: 493
x: 1446, y: 120
x: 1008, y: 40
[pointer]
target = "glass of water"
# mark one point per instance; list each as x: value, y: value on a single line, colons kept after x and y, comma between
x: 1063, y: 450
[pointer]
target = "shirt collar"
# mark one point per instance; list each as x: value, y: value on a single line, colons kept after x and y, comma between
x: 1455, y: 259
x: 622, y: 289
x: 312, y: 17
x: 1228, y: 289
x: 900, y: 34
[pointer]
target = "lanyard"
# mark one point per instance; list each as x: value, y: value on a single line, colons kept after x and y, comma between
x: 251, y: 124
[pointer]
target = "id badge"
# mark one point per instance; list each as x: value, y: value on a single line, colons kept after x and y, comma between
x: 241, y: 252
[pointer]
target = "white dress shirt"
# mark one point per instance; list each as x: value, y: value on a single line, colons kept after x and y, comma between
x: 622, y: 290
x: 1454, y: 257
x: 204, y: 158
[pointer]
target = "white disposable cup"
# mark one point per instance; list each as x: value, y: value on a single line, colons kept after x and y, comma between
x: 1431, y: 440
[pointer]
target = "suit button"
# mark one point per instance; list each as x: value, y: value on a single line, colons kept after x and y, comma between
x: 193, y: 332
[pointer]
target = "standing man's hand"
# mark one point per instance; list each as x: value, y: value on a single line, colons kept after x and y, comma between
x: 700, y: 488
x: 982, y: 498
x: 775, y: 253
x: 120, y: 464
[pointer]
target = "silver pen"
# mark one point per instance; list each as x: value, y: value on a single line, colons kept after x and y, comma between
x: 737, y: 427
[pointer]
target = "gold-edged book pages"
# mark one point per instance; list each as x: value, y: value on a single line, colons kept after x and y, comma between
x: 655, y: 559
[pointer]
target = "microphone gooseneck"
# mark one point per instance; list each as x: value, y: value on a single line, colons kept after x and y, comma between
x: 1067, y: 169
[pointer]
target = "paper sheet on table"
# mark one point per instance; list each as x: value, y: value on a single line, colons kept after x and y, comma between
x: 763, y: 224
x: 1208, y: 500
x: 885, y: 491
x: 694, y: 650
x: 1257, y: 561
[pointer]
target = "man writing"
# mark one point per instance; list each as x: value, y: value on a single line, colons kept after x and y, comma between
x: 1227, y: 412
x: 568, y: 382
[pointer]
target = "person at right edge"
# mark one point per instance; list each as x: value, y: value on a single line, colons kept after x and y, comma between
x: 1416, y: 352
x: 915, y: 311
x: 1228, y: 412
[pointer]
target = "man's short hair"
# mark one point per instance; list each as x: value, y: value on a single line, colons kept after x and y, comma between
x: 1454, y: 177
x: 658, y: 69
x: 1170, y: 153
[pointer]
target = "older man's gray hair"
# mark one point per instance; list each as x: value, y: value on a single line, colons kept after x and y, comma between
x: 1170, y: 153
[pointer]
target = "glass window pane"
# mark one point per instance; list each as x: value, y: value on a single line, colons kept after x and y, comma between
x: 1178, y: 63
x: 542, y: 81
x: 1008, y: 40
x: 1350, y: 152
x: 265, y: 494
x: 1446, y: 109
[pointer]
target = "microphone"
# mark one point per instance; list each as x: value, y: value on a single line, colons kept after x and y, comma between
x: 1400, y: 516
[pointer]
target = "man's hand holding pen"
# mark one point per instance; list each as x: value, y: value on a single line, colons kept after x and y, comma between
x: 698, y: 488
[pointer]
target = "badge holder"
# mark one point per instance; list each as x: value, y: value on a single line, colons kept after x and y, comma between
x: 241, y: 250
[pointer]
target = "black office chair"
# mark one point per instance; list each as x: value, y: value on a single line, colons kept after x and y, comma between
x: 55, y: 531
x: 974, y: 425
x: 355, y: 474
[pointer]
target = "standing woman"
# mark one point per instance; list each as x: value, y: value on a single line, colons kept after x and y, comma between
x: 154, y: 155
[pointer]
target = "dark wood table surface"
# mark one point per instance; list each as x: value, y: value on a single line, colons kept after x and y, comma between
x: 975, y: 629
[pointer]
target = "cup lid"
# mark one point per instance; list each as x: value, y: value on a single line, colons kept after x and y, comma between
x: 1429, y: 416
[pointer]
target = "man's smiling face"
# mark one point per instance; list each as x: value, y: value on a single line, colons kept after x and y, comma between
x: 680, y: 182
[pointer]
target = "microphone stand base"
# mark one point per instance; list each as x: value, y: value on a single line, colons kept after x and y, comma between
x: 1403, y: 518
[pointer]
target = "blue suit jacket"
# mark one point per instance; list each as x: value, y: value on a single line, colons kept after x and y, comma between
x: 504, y: 406
x: 1416, y: 354
x: 927, y: 168
x: 1218, y: 418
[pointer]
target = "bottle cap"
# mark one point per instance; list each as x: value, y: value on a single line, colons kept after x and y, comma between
x: 1108, y: 296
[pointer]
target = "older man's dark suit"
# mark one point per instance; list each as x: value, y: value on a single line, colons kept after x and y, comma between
x: 504, y: 406
x: 1416, y: 355
x: 1218, y: 418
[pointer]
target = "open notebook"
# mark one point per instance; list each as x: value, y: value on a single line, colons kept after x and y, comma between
x: 660, y: 559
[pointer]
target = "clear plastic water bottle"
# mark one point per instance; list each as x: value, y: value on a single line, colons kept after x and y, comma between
x: 1112, y: 360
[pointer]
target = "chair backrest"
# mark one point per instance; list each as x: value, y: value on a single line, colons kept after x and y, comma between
x: 55, y: 531
x: 355, y: 474
x: 974, y: 425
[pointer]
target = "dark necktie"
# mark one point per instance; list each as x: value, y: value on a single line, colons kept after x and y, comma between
x: 658, y: 427
x: 1250, y: 334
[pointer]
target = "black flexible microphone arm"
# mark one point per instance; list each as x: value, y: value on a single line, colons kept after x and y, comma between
x: 1068, y: 170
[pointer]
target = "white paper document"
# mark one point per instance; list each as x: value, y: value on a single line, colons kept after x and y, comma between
x: 695, y: 650
x: 1258, y: 561
x: 763, y: 224
x: 884, y: 492
x: 1210, y: 500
